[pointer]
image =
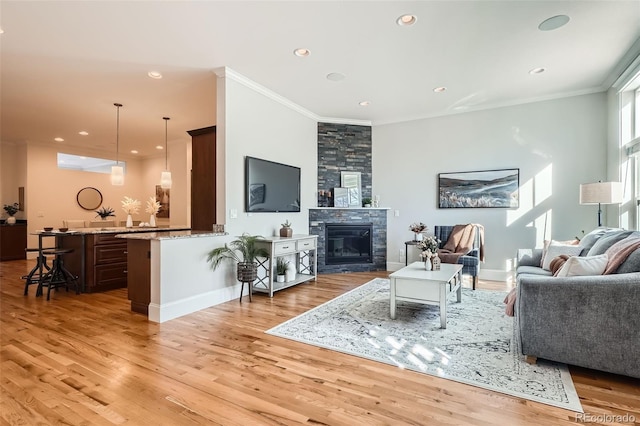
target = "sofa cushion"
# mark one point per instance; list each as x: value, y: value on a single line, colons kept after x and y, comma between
x: 583, y: 265
x: 555, y: 249
x: 532, y: 270
x: 590, y: 239
x: 631, y: 264
x: 607, y: 241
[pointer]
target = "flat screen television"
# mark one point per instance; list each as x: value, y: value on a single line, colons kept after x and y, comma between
x: 271, y: 187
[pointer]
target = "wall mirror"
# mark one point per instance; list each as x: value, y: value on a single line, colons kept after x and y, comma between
x: 352, y: 182
x: 89, y: 198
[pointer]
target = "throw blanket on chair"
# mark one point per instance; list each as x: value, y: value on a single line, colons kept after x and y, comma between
x: 460, y: 242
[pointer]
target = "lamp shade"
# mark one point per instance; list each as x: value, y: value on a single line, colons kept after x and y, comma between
x: 165, y: 180
x: 601, y: 193
x: 117, y: 175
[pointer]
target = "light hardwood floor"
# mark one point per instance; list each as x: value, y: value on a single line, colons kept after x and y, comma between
x: 88, y: 360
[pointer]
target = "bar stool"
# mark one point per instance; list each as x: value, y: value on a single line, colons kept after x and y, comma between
x: 33, y: 277
x: 58, y: 276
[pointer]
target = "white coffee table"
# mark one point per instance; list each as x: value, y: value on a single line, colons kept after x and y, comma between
x: 413, y: 284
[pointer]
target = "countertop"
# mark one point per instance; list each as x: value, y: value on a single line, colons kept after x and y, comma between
x: 114, y: 230
x: 171, y: 235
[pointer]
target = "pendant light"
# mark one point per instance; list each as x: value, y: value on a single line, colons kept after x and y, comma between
x: 165, y: 178
x: 117, y: 171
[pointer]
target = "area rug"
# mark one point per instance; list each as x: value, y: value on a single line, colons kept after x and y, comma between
x: 476, y: 348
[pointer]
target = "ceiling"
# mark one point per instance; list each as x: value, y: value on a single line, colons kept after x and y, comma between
x: 65, y: 63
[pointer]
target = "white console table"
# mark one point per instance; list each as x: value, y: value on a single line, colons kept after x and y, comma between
x: 304, y: 247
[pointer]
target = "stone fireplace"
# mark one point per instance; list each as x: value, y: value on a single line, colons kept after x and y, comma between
x: 345, y: 236
x: 347, y: 147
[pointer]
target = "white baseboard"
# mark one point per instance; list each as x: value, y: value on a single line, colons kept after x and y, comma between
x: 189, y: 305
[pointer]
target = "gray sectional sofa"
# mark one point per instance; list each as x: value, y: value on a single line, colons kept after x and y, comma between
x: 588, y: 321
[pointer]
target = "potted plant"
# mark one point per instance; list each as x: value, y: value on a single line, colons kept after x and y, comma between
x: 11, y: 210
x: 366, y: 202
x: 286, y: 230
x: 244, y: 251
x: 417, y: 228
x: 105, y: 212
x: 281, y: 269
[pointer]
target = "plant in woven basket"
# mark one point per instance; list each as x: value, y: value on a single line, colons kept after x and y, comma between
x: 244, y: 251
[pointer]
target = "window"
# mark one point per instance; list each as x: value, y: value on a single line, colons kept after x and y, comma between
x: 87, y: 164
x: 629, y: 110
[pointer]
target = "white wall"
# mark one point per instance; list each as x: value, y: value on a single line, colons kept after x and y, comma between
x: 258, y: 125
x: 556, y: 145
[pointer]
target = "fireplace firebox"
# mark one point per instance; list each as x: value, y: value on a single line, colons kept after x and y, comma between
x: 348, y: 243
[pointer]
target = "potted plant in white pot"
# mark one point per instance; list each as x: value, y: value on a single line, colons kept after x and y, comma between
x: 11, y: 210
x: 243, y: 251
x: 281, y: 269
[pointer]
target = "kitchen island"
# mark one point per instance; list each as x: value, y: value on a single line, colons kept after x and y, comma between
x: 169, y: 275
x: 99, y: 259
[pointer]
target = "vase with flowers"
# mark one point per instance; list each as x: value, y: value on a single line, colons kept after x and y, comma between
x: 130, y: 207
x: 153, y: 207
x: 428, y: 249
x: 417, y: 228
x: 11, y: 210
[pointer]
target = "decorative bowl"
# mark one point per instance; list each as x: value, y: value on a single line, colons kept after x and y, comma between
x: 48, y: 228
x: 63, y: 229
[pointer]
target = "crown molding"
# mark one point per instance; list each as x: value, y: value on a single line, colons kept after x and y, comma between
x: 497, y: 105
x: 226, y: 72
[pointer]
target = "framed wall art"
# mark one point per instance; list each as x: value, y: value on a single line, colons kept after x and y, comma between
x: 479, y: 189
x: 163, y: 197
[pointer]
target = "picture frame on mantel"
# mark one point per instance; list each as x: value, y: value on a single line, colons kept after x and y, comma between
x: 479, y: 189
x: 353, y: 183
x: 340, y: 197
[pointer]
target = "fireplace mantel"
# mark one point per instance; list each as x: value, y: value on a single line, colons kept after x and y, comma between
x: 349, y: 208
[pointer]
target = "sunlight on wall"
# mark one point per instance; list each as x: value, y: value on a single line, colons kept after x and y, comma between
x: 532, y: 193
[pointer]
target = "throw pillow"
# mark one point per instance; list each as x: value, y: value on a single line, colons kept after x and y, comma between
x: 545, y: 247
x: 557, y: 263
x: 606, y: 241
x: 555, y: 249
x: 590, y: 239
x: 587, y: 265
x: 631, y: 264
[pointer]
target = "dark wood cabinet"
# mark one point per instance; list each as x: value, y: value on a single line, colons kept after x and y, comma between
x: 13, y: 241
x: 139, y: 278
x: 105, y: 260
x: 203, y: 178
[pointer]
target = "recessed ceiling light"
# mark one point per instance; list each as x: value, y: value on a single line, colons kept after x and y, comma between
x: 58, y: 139
x: 159, y: 147
x: 154, y: 74
x: 406, y: 20
x: 134, y: 151
x: 302, y: 52
x: 439, y: 89
x: 537, y: 71
x: 1, y: 31
x: 553, y: 23
x: 364, y: 103
x: 83, y: 132
x: 336, y: 76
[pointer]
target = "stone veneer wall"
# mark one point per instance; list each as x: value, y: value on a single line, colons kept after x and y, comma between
x: 344, y: 148
x: 318, y: 217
